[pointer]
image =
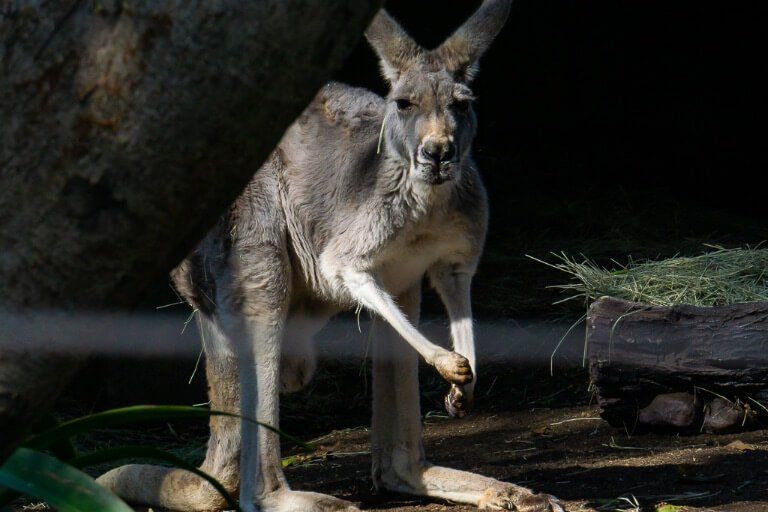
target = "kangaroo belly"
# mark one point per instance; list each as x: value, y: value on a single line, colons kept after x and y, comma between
x: 397, y: 277
x: 403, y: 265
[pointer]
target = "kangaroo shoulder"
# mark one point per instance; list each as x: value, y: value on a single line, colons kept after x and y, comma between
x: 347, y: 106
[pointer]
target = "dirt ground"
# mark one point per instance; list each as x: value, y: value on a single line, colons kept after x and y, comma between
x: 528, y: 428
x: 566, y: 452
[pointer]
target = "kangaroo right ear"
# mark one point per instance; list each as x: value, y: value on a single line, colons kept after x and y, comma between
x: 395, y: 48
x: 463, y: 49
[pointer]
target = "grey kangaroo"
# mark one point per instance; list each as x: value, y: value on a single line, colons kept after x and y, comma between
x: 363, y: 197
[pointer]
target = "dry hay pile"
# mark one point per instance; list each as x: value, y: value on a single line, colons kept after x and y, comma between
x: 716, y: 278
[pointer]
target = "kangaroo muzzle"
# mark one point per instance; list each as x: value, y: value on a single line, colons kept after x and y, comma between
x: 437, y: 158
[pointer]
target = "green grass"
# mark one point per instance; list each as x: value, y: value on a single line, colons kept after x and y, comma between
x: 715, y: 278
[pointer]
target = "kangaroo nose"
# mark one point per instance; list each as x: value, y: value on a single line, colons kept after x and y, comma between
x: 438, y: 152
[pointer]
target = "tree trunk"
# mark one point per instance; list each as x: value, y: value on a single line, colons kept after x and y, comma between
x: 126, y: 128
x: 638, y: 353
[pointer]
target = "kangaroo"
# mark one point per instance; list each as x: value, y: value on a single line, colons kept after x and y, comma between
x: 363, y: 197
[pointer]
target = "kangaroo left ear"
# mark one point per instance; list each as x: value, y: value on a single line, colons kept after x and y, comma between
x: 462, y: 50
x: 395, y: 48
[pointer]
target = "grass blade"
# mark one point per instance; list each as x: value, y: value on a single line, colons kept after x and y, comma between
x: 63, y: 449
x: 135, y: 414
x: 112, y: 418
x: 714, y: 278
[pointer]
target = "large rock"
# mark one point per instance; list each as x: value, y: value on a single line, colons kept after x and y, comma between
x: 126, y: 128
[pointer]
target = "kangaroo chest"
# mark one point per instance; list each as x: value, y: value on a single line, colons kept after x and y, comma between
x: 402, y: 263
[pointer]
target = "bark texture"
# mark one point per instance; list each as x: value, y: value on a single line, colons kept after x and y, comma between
x: 126, y: 128
x: 638, y: 353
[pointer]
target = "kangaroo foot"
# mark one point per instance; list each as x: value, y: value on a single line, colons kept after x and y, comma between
x: 298, y: 501
x: 504, y: 496
x: 458, y: 402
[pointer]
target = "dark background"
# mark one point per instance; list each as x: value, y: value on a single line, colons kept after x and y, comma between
x: 608, y: 128
x: 608, y: 94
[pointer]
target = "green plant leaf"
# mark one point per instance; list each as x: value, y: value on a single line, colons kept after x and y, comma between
x: 62, y: 486
x: 115, y: 417
x: 56, y: 438
x: 145, y: 452
x: 63, y: 449
x: 134, y: 414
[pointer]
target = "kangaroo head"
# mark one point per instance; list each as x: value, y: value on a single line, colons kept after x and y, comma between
x: 429, y: 121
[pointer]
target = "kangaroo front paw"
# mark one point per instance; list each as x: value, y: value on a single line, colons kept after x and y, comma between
x: 453, y: 367
x: 520, y: 499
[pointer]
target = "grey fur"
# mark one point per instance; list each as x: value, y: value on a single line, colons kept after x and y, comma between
x: 331, y: 222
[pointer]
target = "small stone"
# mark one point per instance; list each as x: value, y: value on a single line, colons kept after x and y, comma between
x: 721, y: 415
x: 670, y: 410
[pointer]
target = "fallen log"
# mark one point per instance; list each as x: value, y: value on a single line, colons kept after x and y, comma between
x: 683, y: 368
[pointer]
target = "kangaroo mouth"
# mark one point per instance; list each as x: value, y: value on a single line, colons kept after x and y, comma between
x: 436, y: 174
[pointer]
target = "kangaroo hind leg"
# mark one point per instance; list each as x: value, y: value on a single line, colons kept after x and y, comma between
x: 176, y: 489
x: 254, y: 306
x: 399, y: 463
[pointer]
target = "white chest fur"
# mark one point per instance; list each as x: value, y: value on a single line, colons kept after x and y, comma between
x: 402, y: 263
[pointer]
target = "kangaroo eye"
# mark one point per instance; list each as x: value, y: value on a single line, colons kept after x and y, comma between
x: 403, y: 104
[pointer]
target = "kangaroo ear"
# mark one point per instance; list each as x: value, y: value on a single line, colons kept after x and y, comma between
x: 395, y: 48
x: 463, y: 48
